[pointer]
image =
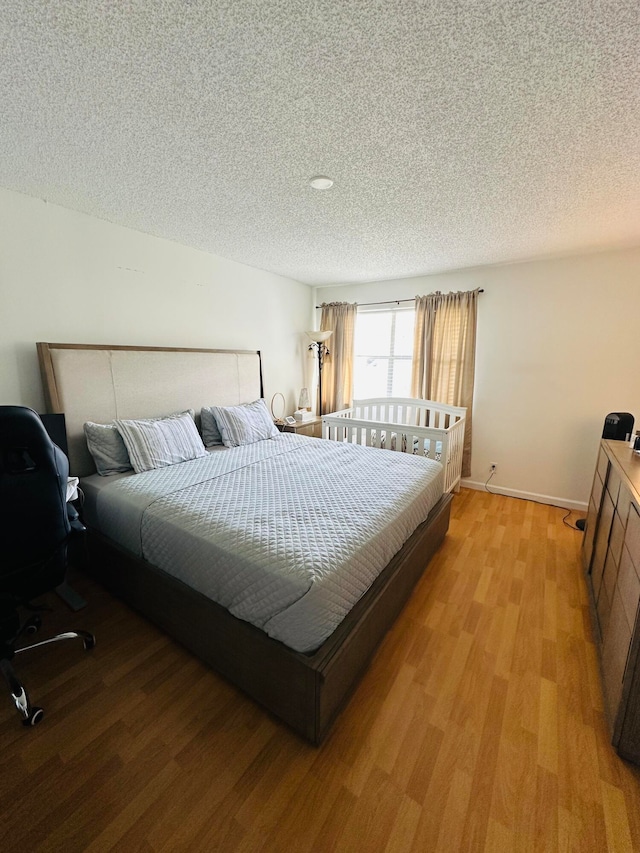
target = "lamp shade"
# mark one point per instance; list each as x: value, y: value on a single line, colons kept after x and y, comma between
x: 319, y: 337
x: 304, y: 402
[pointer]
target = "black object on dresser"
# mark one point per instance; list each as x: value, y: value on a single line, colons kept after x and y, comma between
x: 618, y: 426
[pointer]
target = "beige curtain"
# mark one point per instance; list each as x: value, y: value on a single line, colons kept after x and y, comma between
x: 337, y: 373
x: 444, y: 353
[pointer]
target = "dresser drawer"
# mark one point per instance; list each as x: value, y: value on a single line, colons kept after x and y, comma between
x: 589, y: 535
x: 628, y: 586
x: 632, y: 536
x: 615, y: 650
x: 603, y: 610
x: 616, y: 537
x: 602, y: 537
x: 624, y: 504
x: 609, y: 576
x: 603, y: 465
x: 613, y: 484
x: 314, y: 430
x: 596, y: 490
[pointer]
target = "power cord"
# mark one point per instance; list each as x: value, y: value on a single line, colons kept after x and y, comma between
x: 565, y: 517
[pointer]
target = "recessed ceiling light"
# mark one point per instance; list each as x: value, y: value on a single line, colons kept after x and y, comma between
x: 321, y: 182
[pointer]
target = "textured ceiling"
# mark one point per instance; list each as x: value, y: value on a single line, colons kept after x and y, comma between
x: 458, y: 132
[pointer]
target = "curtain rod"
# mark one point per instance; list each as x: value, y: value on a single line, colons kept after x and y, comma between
x: 391, y: 301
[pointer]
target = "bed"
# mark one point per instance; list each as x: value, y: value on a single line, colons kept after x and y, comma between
x: 418, y: 427
x: 305, y: 686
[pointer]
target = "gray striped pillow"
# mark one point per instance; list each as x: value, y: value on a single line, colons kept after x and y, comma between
x: 162, y: 441
x: 244, y: 424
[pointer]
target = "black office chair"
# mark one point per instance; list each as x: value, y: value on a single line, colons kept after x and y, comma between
x: 36, y: 523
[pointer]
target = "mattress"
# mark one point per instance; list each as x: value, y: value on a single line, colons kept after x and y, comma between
x: 286, y: 533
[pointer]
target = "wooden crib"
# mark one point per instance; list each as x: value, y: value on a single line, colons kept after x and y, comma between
x: 421, y: 427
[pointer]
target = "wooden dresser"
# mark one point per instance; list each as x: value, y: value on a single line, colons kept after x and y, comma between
x: 611, y: 556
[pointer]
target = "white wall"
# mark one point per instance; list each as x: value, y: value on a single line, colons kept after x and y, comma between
x: 558, y: 340
x: 68, y: 277
x: 558, y: 348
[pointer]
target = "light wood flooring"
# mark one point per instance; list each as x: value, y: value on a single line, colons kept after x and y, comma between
x: 479, y: 725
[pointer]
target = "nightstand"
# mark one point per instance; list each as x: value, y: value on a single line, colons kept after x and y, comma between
x: 312, y: 428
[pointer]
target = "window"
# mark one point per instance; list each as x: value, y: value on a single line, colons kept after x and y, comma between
x: 383, y: 353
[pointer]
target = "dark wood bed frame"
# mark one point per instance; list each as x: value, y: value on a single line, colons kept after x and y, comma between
x: 305, y: 691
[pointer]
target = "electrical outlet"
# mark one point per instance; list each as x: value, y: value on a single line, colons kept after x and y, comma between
x: 493, y: 467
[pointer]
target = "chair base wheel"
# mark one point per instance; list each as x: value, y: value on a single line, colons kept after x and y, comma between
x: 33, y: 625
x: 34, y: 717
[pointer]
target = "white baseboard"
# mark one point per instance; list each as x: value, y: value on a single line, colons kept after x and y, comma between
x: 528, y: 496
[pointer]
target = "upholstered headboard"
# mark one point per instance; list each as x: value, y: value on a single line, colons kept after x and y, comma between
x: 90, y: 382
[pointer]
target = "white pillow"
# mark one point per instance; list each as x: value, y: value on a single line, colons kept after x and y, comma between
x: 162, y: 441
x: 244, y: 424
x: 107, y: 448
